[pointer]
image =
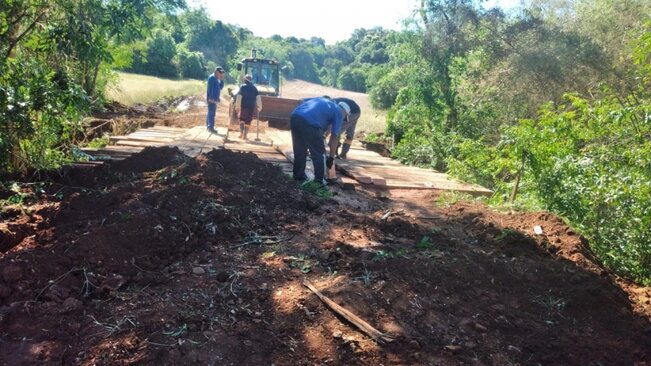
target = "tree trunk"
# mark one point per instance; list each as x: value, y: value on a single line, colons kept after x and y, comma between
x: 514, y: 192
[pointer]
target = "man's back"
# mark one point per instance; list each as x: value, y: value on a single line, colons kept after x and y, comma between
x: 320, y: 112
x: 249, y: 92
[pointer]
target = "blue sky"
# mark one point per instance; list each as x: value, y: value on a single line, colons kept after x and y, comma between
x: 333, y: 20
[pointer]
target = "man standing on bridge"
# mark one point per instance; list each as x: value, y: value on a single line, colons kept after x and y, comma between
x: 215, y: 86
x: 308, y: 123
x: 350, y: 123
x: 248, y: 102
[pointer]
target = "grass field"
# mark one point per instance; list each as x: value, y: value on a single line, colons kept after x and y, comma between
x: 134, y: 88
x: 372, y: 121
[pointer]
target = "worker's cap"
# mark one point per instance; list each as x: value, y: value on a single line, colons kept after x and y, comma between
x: 248, y: 77
x: 219, y: 68
x: 345, y: 107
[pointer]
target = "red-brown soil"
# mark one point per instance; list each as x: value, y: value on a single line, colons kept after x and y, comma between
x: 163, y: 259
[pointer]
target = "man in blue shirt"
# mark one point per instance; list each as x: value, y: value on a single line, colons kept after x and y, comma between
x: 215, y: 85
x: 308, y: 123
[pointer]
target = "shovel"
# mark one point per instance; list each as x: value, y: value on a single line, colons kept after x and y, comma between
x: 257, y: 126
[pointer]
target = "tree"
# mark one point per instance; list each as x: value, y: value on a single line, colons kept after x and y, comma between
x: 372, y: 48
x: 449, y: 27
x: 191, y: 64
x: 216, y: 40
x: 53, y: 55
x: 304, y: 66
x: 161, y: 51
x: 351, y: 78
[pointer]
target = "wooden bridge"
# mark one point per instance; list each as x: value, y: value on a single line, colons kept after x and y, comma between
x: 363, y: 167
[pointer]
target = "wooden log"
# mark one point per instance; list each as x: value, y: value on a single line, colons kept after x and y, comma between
x: 348, y: 315
x: 348, y: 184
x: 379, y: 181
x: 139, y: 143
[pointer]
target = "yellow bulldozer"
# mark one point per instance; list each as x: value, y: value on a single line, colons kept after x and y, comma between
x: 265, y: 74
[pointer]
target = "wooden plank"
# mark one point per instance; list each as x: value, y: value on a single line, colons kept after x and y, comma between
x: 166, y: 128
x: 347, y: 183
x: 84, y: 165
x: 197, y: 140
x: 417, y: 177
x: 131, y: 149
x: 153, y: 135
x: 351, y: 317
x: 152, y: 130
x: 115, y: 139
x: 89, y: 163
x: 142, y: 144
x: 253, y: 149
x: 108, y: 153
x: 369, y: 167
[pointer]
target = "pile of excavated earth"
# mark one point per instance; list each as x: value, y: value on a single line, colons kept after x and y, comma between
x: 223, y: 260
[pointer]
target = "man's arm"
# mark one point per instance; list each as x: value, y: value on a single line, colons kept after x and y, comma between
x: 332, y: 145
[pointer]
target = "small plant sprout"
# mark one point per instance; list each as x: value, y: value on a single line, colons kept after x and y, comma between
x: 110, y: 329
x: 505, y: 234
x: 402, y: 252
x: 424, y: 243
x: 367, y: 276
x: 553, y: 306
x: 382, y: 255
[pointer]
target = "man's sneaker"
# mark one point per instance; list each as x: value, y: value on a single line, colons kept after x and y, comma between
x: 212, y: 130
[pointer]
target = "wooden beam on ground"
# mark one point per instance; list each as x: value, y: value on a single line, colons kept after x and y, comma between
x: 140, y: 138
x: 131, y: 149
x: 351, y: 317
x: 139, y: 143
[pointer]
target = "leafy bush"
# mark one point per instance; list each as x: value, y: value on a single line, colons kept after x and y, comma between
x: 41, y: 113
x: 353, y: 79
x: 590, y: 161
x: 161, y: 51
x: 419, y: 132
x: 191, y: 65
x: 384, y: 93
x: 99, y: 142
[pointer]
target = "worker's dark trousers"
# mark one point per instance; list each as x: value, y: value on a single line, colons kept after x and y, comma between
x: 307, y: 137
x: 210, y: 117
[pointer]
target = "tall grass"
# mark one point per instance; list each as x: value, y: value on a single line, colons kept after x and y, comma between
x: 134, y: 88
x: 372, y: 121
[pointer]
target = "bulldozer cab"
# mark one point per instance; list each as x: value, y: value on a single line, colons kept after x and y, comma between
x: 265, y: 74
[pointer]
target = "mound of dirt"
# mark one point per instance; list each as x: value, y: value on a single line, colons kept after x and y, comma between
x: 163, y: 259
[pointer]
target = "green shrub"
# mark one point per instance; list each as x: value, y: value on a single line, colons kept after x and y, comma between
x: 192, y: 65
x: 41, y: 112
x: 590, y: 161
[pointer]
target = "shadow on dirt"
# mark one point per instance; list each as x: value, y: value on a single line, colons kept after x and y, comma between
x: 162, y: 259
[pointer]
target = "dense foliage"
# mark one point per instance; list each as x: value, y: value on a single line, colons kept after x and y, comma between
x: 54, y: 56
x: 542, y: 105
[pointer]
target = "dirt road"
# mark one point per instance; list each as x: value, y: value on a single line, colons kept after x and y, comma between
x: 163, y: 259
